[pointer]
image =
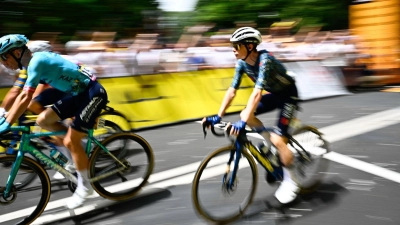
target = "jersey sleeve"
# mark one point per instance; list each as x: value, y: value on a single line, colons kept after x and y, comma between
x: 263, y: 73
x: 237, y: 78
x: 21, y: 80
x: 34, y: 71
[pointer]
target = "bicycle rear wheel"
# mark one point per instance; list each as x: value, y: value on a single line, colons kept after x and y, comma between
x: 310, y: 162
x: 109, y: 129
x: 211, y: 199
x: 134, y: 152
x: 37, y: 192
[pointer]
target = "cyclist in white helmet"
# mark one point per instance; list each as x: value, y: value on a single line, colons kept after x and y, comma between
x: 270, y: 75
x: 39, y: 46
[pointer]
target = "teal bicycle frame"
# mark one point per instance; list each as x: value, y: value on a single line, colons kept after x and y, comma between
x: 26, y: 147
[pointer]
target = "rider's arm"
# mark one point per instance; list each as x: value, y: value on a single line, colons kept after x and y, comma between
x: 10, y: 98
x: 229, y: 96
x: 19, y: 106
x: 231, y: 92
x: 252, y: 103
x: 14, y: 91
x: 255, y: 97
x: 24, y: 98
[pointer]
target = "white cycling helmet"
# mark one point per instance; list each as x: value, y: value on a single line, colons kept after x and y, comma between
x: 246, y: 35
x: 39, y: 46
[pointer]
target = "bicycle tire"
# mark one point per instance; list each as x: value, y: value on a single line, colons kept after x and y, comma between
x: 310, y: 184
x: 200, y: 209
x: 28, y: 179
x: 45, y: 187
x: 98, y: 157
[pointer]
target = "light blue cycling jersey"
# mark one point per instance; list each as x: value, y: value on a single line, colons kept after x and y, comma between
x: 268, y: 73
x: 58, y: 72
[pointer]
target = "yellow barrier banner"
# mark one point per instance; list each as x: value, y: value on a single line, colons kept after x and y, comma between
x: 160, y: 99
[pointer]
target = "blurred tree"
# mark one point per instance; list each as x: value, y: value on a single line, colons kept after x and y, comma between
x: 68, y: 16
x: 330, y: 14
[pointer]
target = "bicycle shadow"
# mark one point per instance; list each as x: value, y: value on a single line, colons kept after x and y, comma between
x: 102, y: 209
x: 326, y: 196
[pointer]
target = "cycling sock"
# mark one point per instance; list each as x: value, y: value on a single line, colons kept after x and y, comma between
x: 83, y: 179
x: 65, y: 152
x: 83, y: 190
x: 289, y: 174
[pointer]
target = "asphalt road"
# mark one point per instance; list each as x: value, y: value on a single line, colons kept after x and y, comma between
x: 360, y: 187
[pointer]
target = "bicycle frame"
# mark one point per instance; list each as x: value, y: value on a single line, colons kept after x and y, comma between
x: 26, y: 147
x: 240, y: 143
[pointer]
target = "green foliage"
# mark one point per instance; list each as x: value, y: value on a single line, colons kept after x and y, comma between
x: 69, y: 16
x: 331, y: 14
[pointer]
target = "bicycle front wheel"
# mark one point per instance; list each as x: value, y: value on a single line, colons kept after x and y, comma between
x: 211, y: 198
x: 37, y: 192
x: 310, y: 150
x: 120, y: 173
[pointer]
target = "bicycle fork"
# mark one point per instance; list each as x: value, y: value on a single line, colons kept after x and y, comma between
x: 13, y: 174
x: 237, y: 152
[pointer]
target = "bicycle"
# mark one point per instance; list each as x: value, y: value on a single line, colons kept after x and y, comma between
x: 119, y: 156
x: 109, y: 122
x: 219, y: 162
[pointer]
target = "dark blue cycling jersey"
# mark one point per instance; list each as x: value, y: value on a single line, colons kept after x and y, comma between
x: 268, y: 73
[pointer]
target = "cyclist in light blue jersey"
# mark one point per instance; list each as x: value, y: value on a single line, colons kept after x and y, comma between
x: 270, y: 75
x: 87, y: 99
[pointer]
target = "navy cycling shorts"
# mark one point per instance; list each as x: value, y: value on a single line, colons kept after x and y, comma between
x: 50, y: 96
x: 84, y: 107
x: 287, y: 103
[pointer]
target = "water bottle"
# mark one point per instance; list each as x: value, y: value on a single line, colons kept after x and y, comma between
x: 59, y: 157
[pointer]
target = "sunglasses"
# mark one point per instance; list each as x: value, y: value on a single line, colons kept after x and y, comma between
x: 236, y: 46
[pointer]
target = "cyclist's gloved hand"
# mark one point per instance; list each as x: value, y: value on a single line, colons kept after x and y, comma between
x: 237, y: 127
x: 4, y: 126
x: 212, y: 120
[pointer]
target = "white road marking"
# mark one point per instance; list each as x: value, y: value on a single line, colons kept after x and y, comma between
x: 332, y: 133
x: 388, y: 144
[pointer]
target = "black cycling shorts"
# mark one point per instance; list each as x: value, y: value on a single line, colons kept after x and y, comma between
x: 85, y: 107
x: 287, y: 103
x: 50, y: 96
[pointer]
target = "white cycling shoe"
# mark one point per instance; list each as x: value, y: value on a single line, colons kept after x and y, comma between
x: 288, y: 190
x: 79, y: 197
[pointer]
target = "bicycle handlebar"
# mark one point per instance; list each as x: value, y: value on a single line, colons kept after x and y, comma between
x: 226, y: 126
x: 221, y: 125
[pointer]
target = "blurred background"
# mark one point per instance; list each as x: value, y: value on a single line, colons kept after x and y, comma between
x: 124, y: 38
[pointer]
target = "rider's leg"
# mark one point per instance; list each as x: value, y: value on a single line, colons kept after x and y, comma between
x: 266, y: 104
x: 73, y: 140
x: 35, y: 107
x: 289, y: 187
x: 45, y: 98
x: 280, y: 142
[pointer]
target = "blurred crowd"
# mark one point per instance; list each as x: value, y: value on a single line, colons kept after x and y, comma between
x: 147, y: 54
